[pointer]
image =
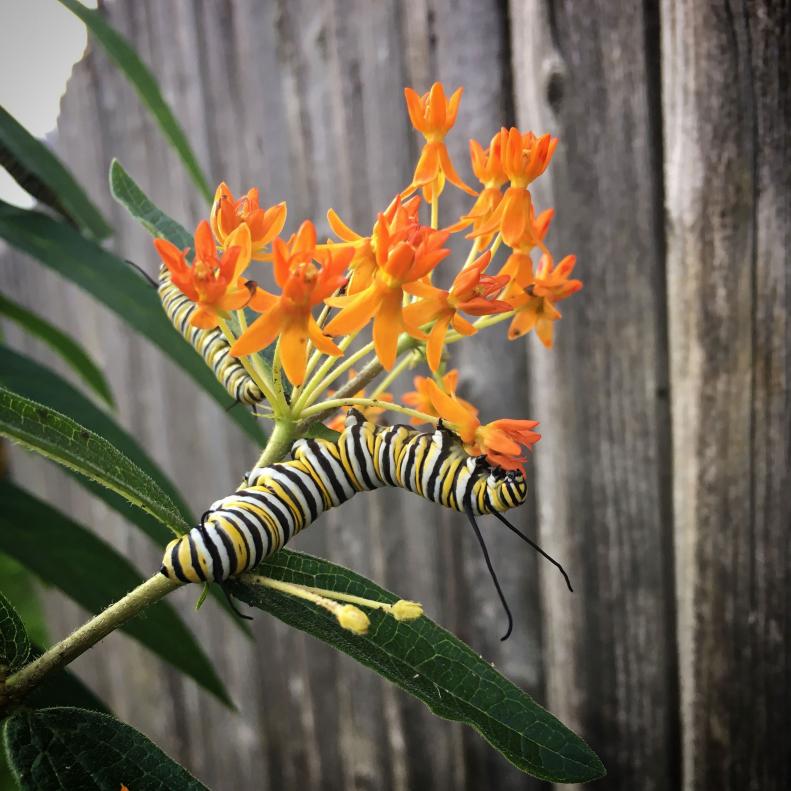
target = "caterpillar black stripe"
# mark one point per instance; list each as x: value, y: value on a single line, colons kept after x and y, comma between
x: 276, y: 502
x: 210, y: 344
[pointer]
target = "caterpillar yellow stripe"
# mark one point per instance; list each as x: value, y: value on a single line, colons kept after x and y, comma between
x: 210, y: 344
x: 278, y: 501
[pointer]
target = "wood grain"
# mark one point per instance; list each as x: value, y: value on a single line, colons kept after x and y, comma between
x: 726, y: 125
x: 602, y: 487
x: 662, y: 478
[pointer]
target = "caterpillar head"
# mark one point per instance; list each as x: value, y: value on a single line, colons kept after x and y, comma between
x: 506, y: 488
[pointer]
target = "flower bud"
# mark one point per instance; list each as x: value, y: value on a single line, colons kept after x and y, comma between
x: 404, y: 610
x: 353, y: 619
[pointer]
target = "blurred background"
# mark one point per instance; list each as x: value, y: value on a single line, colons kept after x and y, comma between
x: 662, y: 479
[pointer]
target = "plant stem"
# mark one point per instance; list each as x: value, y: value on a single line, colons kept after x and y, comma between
x: 280, y: 441
x: 334, y: 403
x: 87, y: 635
x: 406, y: 362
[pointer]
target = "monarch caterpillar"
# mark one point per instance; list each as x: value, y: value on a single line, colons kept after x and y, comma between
x: 276, y: 502
x: 210, y: 344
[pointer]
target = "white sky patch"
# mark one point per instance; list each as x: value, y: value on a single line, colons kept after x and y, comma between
x: 40, y: 41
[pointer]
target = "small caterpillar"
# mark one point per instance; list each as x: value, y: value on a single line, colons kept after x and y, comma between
x: 210, y: 344
x: 276, y: 502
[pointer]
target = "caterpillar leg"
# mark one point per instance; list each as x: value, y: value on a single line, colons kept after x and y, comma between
x: 344, y: 606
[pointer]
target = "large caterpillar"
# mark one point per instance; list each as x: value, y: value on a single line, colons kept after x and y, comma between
x: 278, y: 501
x: 210, y: 344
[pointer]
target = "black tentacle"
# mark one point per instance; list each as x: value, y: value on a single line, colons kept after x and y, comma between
x: 536, y: 547
x: 153, y: 283
x: 471, y: 517
x: 229, y: 599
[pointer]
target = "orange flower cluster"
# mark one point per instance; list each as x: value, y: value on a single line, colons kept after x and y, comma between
x: 385, y: 278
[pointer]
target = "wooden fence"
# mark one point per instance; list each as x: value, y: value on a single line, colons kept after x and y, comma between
x: 662, y: 480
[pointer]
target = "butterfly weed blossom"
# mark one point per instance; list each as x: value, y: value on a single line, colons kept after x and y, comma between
x: 322, y: 325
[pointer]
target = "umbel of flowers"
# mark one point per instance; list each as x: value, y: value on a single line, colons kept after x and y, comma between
x: 329, y: 292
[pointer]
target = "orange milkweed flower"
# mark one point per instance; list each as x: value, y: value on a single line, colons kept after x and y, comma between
x: 403, y: 257
x: 524, y: 157
x: 214, y: 284
x: 500, y: 441
x: 420, y: 397
x: 433, y: 116
x: 228, y: 213
x: 519, y: 265
x: 306, y: 276
x: 471, y: 292
x: 534, y: 299
x: 370, y: 413
x: 398, y: 216
x: 488, y: 169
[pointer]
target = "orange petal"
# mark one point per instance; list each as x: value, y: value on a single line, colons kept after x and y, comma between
x: 171, y: 256
x: 294, y: 349
x: 522, y: 323
x: 204, y: 318
x: 450, y: 410
x: 204, y: 242
x: 413, y: 108
x: 323, y: 343
x: 514, y: 217
x: 436, y: 340
x: 340, y: 229
x: 462, y: 326
x: 428, y: 165
x: 357, y: 312
x: 388, y: 325
x: 240, y: 238
x: 260, y: 333
x: 453, y: 107
x: 437, y: 108
x: 450, y: 172
x: 274, y: 219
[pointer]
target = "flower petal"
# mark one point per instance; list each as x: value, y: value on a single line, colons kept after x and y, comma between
x: 260, y: 333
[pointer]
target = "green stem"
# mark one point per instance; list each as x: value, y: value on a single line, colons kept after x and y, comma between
x: 87, y: 635
x: 407, y: 362
x: 280, y: 441
x: 335, y: 403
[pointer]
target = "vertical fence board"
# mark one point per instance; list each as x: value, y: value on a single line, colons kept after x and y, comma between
x: 601, y: 392
x: 683, y: 319
x: 726, y: 122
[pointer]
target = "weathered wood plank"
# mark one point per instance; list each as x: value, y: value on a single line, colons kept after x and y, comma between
x: 726, y: 124
x: 601, y: 393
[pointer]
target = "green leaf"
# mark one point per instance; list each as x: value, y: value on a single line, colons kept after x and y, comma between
x: 126, y: 191
x: 114, y: 284
x: 92, y: 573
x: 59, y: 438
x: 69, y: 350
x: 143, y: 81
x: 38, y: 171
x: 37, y: 383
x: 62, y: 688
x: 63, y: 749
x: 431, y: 664
x: 14, y: 642
x: 22, y: 590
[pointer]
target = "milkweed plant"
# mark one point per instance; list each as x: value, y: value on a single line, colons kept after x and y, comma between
x: 319, y: 353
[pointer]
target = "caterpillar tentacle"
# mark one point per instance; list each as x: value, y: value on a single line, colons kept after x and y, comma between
x: 210, y: 344
x: 276, y: 502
